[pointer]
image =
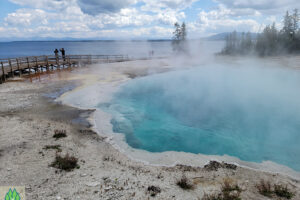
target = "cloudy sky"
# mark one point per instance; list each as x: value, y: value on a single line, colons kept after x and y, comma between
x: 135, y: 19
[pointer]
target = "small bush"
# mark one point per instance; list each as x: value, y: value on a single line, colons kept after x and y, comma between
x: 223, y: 196
x: 283, y: 191
x: 60, y: 134
x: 54, y: 147
x: 212, y: 197
x: 227, y: 186
x: 264, y: 188
x: 153, y: 190
x: 66, y: 163
x: 229, y: 191
x: 185, y: 184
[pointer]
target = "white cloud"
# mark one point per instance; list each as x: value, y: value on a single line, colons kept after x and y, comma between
x: 74, y: 23
x: 170, y: 17
x: 46, y: 4
x: 26, y: 17
x: 159, y: 5
x: 95, y: 7
x: 220, y: 20
x: 126, y: 18
x: 262, y: 6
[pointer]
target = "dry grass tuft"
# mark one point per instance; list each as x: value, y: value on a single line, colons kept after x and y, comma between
x: 67, y: 163
x: 283, y: 191
x: 264, y: 188
x: 229, y: 191
x: 53, y: 147
x: 60, y: 134
x: 184, y: 183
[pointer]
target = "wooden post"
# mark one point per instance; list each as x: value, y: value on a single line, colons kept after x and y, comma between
x: 90, y: 59
x: 28, y: 65
x: 11, y: 69
x: 18, y: 64
x: 69, y: 62
x: 58, y: 62
x: 36, y: 64
x: 3, y: 72
x: 79, y: 62
x: 47, y: 63
x: 63, y: 61
x: 52, y: 66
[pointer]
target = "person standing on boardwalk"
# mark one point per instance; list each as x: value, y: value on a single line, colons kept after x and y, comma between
x: 63, y: 53
x: 56, y: 54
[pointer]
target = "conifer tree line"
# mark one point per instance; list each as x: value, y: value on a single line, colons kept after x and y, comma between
x: 179, y: 38
x: 270, y: 42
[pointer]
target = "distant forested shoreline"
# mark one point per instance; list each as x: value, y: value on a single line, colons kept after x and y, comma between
x: 268, y: 43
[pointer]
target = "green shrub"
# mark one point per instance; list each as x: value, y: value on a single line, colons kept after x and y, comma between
x: 283, y: 191
x: 60, y: 134
x: 67, y: 163
x: 184, y: 183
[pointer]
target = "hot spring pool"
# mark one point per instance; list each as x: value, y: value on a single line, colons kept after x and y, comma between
x: 250, y: 113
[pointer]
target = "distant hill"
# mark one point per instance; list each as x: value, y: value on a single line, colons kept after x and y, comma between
x: 222, y: 36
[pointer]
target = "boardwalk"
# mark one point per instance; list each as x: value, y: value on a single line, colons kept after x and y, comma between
x: 35, y: 64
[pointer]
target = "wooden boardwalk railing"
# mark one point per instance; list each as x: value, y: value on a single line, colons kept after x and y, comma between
x: 34, y: 64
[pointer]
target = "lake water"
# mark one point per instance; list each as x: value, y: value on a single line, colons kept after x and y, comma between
x: 135, y: 49
x: 131, y: 48
x: 250, y: 112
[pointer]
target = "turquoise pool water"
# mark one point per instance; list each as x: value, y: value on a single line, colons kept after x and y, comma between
x: 249, y: 113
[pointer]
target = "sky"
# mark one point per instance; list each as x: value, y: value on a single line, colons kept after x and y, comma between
x: 135, y: 19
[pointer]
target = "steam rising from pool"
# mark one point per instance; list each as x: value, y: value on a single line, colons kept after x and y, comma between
x: 252, y: 113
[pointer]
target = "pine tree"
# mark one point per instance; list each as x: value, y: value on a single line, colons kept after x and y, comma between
x: 242, y: 44
x: 248, y: 42
x: 183, y: 32
x: 176, y: 37
x: 287, y: 24
x: 232, y: 44
x: 270, y: 41
x: 177, y: 32
x: 273, y: 41
x: 295, y: 21
x: 179, y: 38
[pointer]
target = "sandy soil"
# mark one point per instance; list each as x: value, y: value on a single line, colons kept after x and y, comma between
x: 28, y: 120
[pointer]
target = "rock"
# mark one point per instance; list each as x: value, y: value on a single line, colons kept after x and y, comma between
x: 234, y: 193
x: 187, y: 168
x: 83, y: 175
x: 153, y: 190
x: 58, y: 198
x: 243, y: 188
x: 213, y: 166
x: 92, y: 184
x: 229, y: 166
x: 107, y: 189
